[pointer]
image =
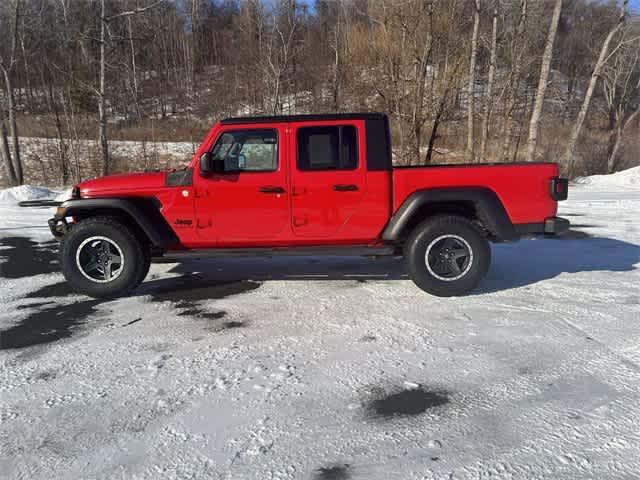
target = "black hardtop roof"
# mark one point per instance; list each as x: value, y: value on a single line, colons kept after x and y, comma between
x: 304, y: 118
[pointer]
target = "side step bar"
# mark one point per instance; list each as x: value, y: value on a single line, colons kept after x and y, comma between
x: 351, y: 251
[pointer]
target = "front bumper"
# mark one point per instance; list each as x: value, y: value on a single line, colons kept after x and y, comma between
x: 58, y: 227
x: 550, y: 226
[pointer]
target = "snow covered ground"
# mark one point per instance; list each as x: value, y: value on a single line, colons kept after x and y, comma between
x: 318, y: 368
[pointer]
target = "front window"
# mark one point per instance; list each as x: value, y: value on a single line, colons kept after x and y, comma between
x: 247, y: 150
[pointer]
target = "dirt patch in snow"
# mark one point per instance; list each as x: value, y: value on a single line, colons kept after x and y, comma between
x: 187, y: 293
x: 407, y: 402
x: 191, y: 309
x: 21, y: 257
x: 335, y: 472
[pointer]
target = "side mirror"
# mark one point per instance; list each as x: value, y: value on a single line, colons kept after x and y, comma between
x: 209, y: 165
x: 206, y: 164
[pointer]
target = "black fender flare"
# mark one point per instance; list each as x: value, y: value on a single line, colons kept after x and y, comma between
x: 143, y: 211
x: 487, y: 205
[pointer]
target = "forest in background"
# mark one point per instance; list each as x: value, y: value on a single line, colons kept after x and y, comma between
x: 462, y: 80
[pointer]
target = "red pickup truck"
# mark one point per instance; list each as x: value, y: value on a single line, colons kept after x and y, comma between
x: 304, y: 185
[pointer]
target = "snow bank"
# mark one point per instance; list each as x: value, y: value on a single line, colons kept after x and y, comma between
x: 26, y: 192
x: 63, y: 195
x: 625, y: 180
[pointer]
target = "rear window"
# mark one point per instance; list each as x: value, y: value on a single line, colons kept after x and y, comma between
x: 327, y: 148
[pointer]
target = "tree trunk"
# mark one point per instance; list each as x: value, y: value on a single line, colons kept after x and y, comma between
x: 534, y: 125
x: 7, y: 70
x: 6, y: 155
x: 337, y: 64
x: 612, y: 161
x: 449, y: 85
x: 134, y: 72
x: 102, y: 114
x: 418, y: 118
x: 63, y: 161
x: 472, y: 82
x: 490, y: 81
x: 13, y: 127
x: 602, y: 60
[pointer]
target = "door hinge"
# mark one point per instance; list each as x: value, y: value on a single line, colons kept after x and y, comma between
x: 299, y: 221
x: 201, y: 192
x: 296, y: 191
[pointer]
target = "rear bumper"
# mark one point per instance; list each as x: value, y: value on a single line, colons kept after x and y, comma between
x: 556, y: 225
x: 551, y: 226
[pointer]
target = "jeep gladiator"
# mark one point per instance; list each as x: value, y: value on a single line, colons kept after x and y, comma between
x: 304, y: 185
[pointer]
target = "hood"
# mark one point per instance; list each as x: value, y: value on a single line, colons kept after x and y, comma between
x: 125, y: 184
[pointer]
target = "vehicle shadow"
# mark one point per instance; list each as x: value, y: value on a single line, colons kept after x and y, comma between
x: 294, y: 268
x: 513, y: 264
x: 531, y: 261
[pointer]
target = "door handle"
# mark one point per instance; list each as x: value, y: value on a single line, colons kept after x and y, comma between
x: 271, y: 189
x: 345, y: 188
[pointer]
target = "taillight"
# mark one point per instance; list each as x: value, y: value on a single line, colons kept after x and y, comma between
x: 559, y: 188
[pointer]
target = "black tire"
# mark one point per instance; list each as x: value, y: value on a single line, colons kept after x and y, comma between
x: 447, y: 238
x: 146, y: 252
x: 135, y: 258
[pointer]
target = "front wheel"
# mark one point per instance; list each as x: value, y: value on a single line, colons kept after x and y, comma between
x: 447, y: 256
x: 101, y: 257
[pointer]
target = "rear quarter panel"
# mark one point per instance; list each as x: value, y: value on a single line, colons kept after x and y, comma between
x: 523, y: 189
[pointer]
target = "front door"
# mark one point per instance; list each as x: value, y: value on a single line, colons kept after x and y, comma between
x: 328, y: 178
x: 248, y: 203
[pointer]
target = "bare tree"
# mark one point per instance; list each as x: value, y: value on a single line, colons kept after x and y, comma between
x: 488, y: 97
x: 514, y: 80
x: 102, y: 101
x: 534, y: 124
x: 101, y: 90
x: 6, y: 153
x: 423, y: 57
x: 602, y: 60
x: 472, y: 83
x: 15, y: 173
x: 281, y: 49
x: 621, y: 87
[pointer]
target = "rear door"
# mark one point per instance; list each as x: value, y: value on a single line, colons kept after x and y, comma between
x: 328, y: 177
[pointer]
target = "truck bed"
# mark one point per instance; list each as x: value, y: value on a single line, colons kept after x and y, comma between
x: 523, y: 188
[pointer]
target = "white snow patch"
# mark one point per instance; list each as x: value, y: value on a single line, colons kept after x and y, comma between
x: 626, y: 179
x: 25, y: 192
x: 64, y: 195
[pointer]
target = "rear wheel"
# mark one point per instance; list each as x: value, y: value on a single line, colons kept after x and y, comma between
x: 101, y: 257
x: 447, y: 256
